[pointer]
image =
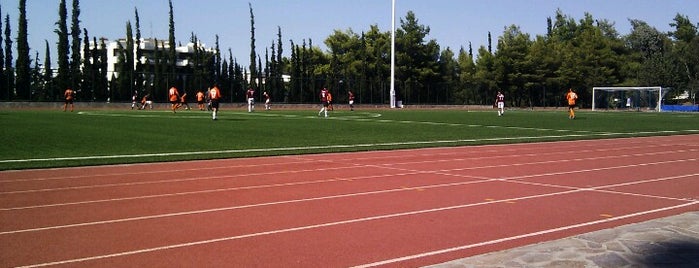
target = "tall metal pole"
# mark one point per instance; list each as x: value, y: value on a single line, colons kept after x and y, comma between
x: 393, y: 54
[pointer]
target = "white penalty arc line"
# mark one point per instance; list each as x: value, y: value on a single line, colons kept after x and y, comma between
x: 340, y: 146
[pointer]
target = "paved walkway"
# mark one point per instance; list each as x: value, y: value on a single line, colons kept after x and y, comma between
x: 667, y: 242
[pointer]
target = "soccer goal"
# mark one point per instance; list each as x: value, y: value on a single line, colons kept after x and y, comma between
x: 628, y: 98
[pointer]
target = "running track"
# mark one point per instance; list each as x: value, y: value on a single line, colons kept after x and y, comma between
x: 393, y: 208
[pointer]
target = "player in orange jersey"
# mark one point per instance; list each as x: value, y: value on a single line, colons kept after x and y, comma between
x: 183, y: 101
x: 330, y: 101
x: 174, y: 97
x: 571, y: 97
x: 200, y: 100
x: 215, y: 96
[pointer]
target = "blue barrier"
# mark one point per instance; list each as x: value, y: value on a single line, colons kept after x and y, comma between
x: 679, y: 108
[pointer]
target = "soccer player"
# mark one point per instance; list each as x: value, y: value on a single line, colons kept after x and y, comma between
x: 351, y: 100
x: 183, y: 101
x: 268, y: 101
x: 571, y: 97
x: 330, y: 101
x: 146, y: 101
x: 69, y: 95
x: 134, y: 99
x: 324, y: 101
x: 214, y: 96
x: 200, y: 100
x: 174, y: 97
x: 500, y: 103
x: 250, y: 94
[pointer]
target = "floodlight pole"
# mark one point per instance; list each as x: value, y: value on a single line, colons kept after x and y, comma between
x: 393, y: 53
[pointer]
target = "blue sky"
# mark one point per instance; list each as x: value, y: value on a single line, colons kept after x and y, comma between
x: 453, y: 23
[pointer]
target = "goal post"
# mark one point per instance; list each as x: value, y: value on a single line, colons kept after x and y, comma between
x: 628, y: 98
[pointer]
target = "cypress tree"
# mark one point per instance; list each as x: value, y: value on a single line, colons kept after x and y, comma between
x: 63, y: 76
x: 75, y: 63
x: 88, y: 74
x: 279, y: 65
x: 139, y: 67
x: 253, y: 54
x: 128, y: 69
x: 172, y: 57
x: 100, y: 60
x: 3, y: 92
x: 9, y: 70
x: 48, y: 74
x: 217, y: 63
x: 23, y: 69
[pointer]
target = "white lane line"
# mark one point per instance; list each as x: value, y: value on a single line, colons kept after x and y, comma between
x: 539, y: 233
x: 505, y: 152
x: 262, y: 186
x: 381, y: 217
x: 300, y: 228
x: 184, y: 213
x: 407, y: 171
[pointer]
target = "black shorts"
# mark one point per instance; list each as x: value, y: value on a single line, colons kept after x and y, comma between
x: 326, y: 104
x: 69, y: 101
x: 214, y: 104
x: 571, y: 106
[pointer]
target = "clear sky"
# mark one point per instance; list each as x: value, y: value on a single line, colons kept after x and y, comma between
x: 453, y: 23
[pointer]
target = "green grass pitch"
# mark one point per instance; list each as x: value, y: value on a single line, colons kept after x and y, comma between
x: 43, y: 138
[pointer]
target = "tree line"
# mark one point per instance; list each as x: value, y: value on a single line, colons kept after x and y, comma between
x: 531, y: 71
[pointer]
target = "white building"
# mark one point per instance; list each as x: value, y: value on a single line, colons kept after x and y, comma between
x: 184, y: 54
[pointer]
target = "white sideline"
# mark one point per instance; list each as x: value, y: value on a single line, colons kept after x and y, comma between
x: 339, y: 146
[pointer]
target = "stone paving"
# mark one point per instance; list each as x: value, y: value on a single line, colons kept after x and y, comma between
x: 667, y: 242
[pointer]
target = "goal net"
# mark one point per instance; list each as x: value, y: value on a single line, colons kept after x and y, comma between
x: 628, y: 98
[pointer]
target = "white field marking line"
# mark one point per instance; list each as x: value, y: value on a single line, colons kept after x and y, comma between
x: 145, y: 115
x: 511, y: 238
x: 169, y: 114
x: 217, y: 177
x: 344, y: 167
x: 293, y: 229
x: 366, y: 219
x: 346, y: 116
x: 213, y: 210
x: 174, y: 170
x: 339, y: 146
x: 502, y: 153
x: 376, y: 166
x: 602, y: 188
x: 544, y: 162
x: 583, y: 170
x: 508, y: 148
x: 480, y: 180
x: 252, y: 187
x: 442, y: 172
x: 499, y: 149
x: 241, y: 188
x: 371, y: 118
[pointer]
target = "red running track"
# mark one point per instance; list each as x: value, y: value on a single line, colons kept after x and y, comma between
x: 382, y: 208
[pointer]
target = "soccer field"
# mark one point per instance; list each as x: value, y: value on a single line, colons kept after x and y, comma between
x: 43, y: 138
